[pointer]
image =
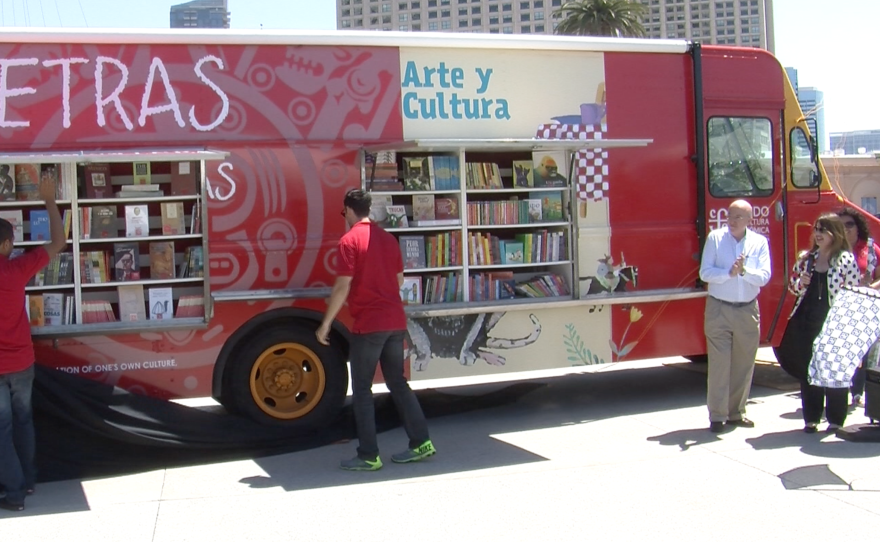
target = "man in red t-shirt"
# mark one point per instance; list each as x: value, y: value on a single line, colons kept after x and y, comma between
x: 17, y: 470
x: 370, y: 276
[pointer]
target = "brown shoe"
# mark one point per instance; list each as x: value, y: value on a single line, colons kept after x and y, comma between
x: 11, y: 506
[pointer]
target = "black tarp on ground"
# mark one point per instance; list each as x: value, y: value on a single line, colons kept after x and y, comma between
x: 87, y: 429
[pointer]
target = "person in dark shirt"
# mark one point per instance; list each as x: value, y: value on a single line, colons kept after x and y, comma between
x: 17, y: 470
x: 370, y: 276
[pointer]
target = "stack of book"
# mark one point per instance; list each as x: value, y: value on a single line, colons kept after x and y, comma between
x: 443, y: 288
x: 446, y: 172
x: 190, y: 306
x: 491, y: 286
x: 483, y: 175
x: 482, y: 213
x: 193, y: 265
x: 97, y: 311
x: 381, y: 172
x: 58, y: 271
x: 94, y: 267
x: 140, y: 191
x: 549, y: 285
x: 543, y: 246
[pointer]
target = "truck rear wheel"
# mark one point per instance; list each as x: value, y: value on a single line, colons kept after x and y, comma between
x: 283, y: 376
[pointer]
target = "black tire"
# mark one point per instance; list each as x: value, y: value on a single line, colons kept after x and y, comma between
x: 284, y: 377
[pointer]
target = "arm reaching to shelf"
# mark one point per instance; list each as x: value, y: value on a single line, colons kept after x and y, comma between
x: 56, y: 226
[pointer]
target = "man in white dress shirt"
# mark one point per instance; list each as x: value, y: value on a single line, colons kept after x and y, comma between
x: 735, y: 265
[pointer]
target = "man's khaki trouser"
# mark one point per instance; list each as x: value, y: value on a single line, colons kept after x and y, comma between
x: 732, y: 337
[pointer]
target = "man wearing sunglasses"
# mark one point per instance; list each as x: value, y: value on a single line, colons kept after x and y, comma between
x: 735, y: 265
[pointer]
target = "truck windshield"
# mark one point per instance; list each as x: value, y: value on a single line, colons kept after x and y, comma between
x: 740, y: 157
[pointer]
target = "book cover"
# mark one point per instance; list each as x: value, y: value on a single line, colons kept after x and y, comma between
x: 97, y: 181
x: 162, y: 260
x: 126, y: 262
x: 141, y: 171
x: 411, y: 291
x: 549, y: 168
x: 397, y: 216
x: 40, y: 225
x: 15, y: 217
x: 172, y: 218
x: 442, y: 173
x: 522, y: 174
x: 35, y: 305
x: 446, y: 208
x: 379, y: 207
x: 183, y: 179
x: 417, y: 174
x: 551, y: 206
x: 137, y: 221
x: 103, y: 222
x: 161, y: 304
x: 7, y: 182
x: 53, y: 307
x: 513, y: 252
x: 412, y: 247
x: 535, y: 210
x: 27, y: 182
x: 131, y: 303
x: 190, y: 306
x: 423, y: 206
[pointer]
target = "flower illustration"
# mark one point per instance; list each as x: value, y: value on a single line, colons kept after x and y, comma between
x: 634, y: 315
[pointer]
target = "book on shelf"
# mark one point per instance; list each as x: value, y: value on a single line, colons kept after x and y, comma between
x: 102, y: 221
x: 190, y: 306
x: 67, y: 179
x: 122, y: 194
x: 412, y: 248
x: 383, y: 185
x: 141, y: 171
x: 436, y: 223
x: 491, y: 286
x: 523, y: 174
x: 549, y: 169
x: 69, y: 309
x: 512, y: 252
x: 183, y: 179
x: 551, y: 206
x: 161, y: 304
x: 443, y: 288
x: 126, y: 262
x: 548, y: 285
x: 97, y: 181
x: 16, y: 218
x: 443, y: 249
x: 423, y: 207
x: 379, y: 207
x: 27, y: 182
x: 483, y: 175
x: 162, y: 260
x: 97, y: 311
x: 50, y: 173
x: 417, y: 174
x: 94, y: 267
x: 59, y: 270
x: 131, y: 303
x: 381, y: 166
x: 195, y: 224
x: 193, y: 264
x: 411, y: 291
x: 396, y: 216
x: 7, y: 182
x: 173, y: 218
x: 40, y: 225
x: 446, y: 208
x: 536, y: 213
x: 35, y: 311
x: 137, y: 221
x: 53, y: 309
x: 68, y: 222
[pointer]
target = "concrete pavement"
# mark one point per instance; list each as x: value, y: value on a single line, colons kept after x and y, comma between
x: 617, y: 452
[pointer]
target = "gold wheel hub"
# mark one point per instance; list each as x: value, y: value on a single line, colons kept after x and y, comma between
x: 287, y: 381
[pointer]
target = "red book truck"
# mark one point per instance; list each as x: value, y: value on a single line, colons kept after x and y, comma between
x: 578, y: 179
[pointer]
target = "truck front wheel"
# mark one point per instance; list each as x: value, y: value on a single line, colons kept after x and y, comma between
x: 283, y: 376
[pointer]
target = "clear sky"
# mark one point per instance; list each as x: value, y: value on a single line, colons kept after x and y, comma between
x: 832, y: 43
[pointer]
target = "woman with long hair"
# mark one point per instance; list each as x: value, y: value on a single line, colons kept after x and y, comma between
x: 867, y: 255
x: 816, y: 278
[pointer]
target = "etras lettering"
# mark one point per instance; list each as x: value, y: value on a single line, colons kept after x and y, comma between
x: 102, y: 99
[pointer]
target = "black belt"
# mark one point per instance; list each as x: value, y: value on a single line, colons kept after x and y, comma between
x: 736, y: 304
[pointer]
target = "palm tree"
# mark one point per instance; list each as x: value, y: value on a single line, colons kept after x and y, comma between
x: 616, y: 18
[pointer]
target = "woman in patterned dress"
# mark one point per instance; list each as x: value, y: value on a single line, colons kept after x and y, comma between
x: 816, y: 278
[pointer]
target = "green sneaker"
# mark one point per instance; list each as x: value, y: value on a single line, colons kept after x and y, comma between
x: 356, y: 463
x: 415, y: 454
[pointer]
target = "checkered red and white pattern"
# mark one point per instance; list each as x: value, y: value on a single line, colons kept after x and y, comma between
x: 591, y: 166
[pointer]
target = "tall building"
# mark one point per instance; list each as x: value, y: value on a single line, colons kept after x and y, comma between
x: 734, y: 22
x: 201, y: 14
x: 858, y: 142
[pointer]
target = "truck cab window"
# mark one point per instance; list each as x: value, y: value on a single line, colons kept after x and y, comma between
x: 740, y: 157
x: 804, y: 172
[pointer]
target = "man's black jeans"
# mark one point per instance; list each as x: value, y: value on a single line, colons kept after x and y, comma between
x: 385, y: 348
